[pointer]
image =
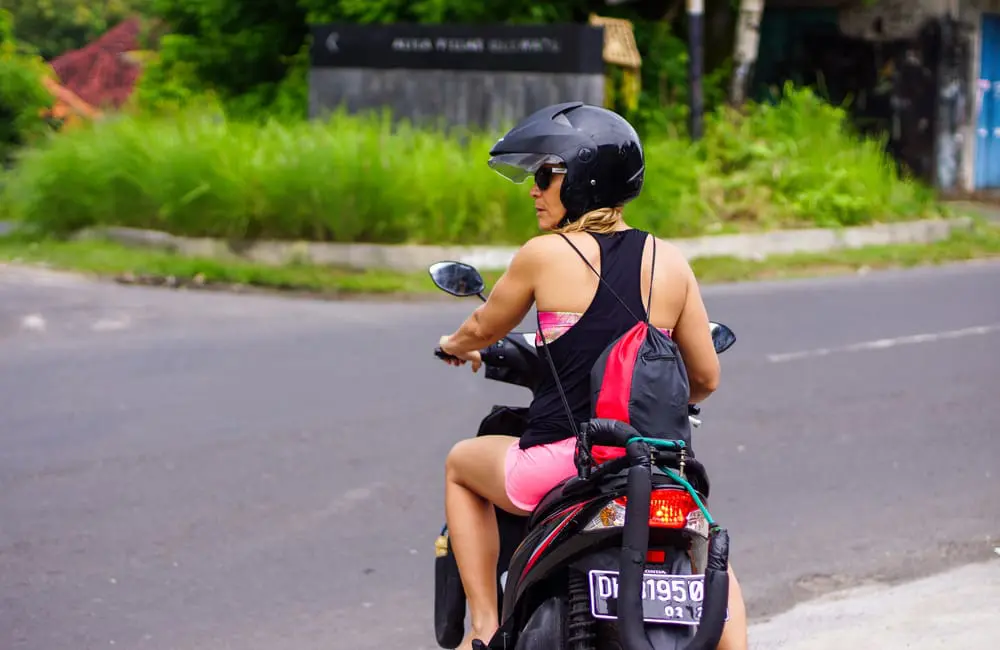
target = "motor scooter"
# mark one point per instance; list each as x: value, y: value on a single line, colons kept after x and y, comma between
x: 625, y: 555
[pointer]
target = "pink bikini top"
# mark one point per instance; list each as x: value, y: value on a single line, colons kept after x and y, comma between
x: 557, y: 323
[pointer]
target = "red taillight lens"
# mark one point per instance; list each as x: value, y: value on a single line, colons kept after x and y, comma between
x: 667, y: 508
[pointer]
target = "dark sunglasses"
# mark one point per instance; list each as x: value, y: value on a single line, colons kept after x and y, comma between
x: 543, y: 177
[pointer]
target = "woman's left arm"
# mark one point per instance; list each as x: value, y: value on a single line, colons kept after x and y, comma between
x: 508, y: 303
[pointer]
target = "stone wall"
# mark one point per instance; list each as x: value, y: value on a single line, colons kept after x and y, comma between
x: 489, y: 100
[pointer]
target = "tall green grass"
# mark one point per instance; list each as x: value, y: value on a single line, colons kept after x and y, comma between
x: 363, y: 178
x: 798, y: 162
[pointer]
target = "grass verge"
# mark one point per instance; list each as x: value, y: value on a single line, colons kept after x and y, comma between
x: 136, y: 266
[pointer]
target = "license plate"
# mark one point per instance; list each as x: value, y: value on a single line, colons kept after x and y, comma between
x: 666, y: 598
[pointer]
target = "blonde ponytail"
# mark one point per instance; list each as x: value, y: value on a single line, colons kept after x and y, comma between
x: 601, y: 221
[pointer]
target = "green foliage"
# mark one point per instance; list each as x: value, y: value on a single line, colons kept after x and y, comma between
x: 240, y: 51
x: 56, y: 26
x: 663, y: 104
x: 442, y: 11
x: 220, y: 147
x: 363, y: 179
x: 798, y: 161
x: 23, y: 98
x: 349, y: 179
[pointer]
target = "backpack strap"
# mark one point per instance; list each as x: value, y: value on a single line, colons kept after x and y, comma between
x: 555, y: 375
x: 608, y: 286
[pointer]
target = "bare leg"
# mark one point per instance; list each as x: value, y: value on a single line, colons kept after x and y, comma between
x: 734, y: 634
x: 474, y: 481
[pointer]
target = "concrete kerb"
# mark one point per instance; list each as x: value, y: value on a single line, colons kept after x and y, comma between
x: 413, y: 257
x: 963, y: 600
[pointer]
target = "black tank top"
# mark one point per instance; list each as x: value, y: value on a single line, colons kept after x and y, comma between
x: 575, y: 352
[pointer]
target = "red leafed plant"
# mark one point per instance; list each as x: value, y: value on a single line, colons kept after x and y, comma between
x: 99, y: 73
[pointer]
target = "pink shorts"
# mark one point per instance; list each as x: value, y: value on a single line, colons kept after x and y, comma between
x: 531, y: 473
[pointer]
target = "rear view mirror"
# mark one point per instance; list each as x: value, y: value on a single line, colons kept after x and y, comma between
x: 457, y: 278
x: 722, y: 337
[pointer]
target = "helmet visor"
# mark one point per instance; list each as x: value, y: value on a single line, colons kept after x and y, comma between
x: 518, y: 167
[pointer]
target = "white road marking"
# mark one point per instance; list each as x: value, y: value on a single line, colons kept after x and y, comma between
x: 111, y: 324
x: 882, y: 344
x: 33, y: 323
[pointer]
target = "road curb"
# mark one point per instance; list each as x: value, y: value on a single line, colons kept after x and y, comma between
x: 413, y: 257
x: 894, y: 616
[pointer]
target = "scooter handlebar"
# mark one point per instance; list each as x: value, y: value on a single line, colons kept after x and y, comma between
x: 441, y: 354
x: 716, y: 603
x: 612, y: 433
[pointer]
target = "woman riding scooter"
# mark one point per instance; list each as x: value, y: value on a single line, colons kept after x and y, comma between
x: 586, y: 163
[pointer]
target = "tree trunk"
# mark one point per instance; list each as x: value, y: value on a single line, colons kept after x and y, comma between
x: 745, y: 52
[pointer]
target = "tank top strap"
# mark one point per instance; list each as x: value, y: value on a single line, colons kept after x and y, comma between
x: 621, y: 271
x: 607, y: 298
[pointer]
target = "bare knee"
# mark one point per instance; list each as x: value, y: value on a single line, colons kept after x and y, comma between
x: 456, y: 461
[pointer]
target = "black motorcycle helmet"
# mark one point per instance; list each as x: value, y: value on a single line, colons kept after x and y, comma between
x: 600, y: 149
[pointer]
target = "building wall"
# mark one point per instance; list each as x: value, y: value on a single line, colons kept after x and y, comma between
x: 484, y: 100
x: 889, y: 19
x: 955, y: 139
x: 954, y: 119
x: 969, y: 13
x: 958, y: 112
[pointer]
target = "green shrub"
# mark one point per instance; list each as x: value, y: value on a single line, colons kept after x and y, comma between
x: 23, y: 97
x: 359, y: 178
x: 799, y: 162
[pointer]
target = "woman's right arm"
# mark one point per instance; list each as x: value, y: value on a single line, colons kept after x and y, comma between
x: 695, y: 342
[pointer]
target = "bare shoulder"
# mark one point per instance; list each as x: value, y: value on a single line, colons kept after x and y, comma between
x: 539, y: 247
x: 545, y: 241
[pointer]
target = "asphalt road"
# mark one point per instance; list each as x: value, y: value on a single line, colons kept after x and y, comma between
x: 200, y: 471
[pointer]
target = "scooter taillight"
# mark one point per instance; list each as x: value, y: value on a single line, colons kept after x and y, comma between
x: 673, y: 509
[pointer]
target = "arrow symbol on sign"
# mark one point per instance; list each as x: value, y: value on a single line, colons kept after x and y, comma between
x: 331, y: 42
